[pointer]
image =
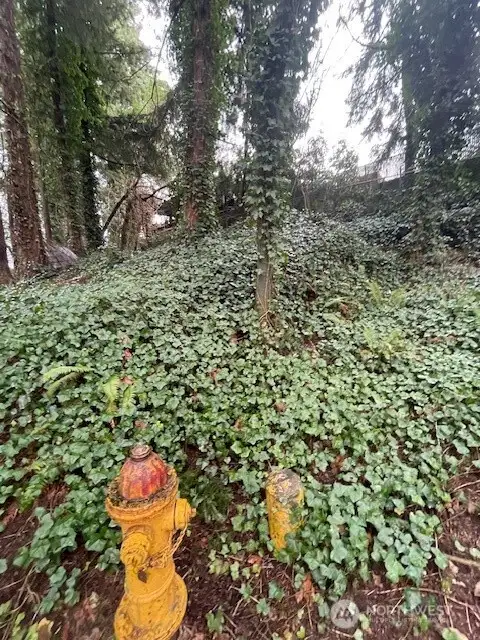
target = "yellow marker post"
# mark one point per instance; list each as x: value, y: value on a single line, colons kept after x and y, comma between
x: 143, y: 500
x: 285, y: 493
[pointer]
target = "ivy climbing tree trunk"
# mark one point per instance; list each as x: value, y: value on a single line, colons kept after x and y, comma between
x: 264, y: 291
x: 198, y: 39
x: 283, y: 33
x: 93, y: 231
x: 199, y: 152
x: 25, y: 231
x: 59, y: 118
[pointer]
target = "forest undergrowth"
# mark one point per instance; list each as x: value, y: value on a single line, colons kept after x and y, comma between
x: 367, y: 386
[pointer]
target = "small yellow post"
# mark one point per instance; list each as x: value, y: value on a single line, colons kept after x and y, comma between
x: 285, y: 493
x: 143, y: 500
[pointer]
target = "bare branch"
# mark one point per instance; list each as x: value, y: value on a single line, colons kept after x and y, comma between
x: 119, y: 203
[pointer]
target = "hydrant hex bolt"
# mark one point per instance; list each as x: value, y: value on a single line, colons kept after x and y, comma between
x: 285, y: 494
x: 143, y: 501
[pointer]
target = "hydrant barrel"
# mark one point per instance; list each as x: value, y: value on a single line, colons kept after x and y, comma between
x: 285, y: 495
x: 143, y: 501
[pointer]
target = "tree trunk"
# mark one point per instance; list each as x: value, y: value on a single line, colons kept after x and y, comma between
x: 5, y: 275
x: 128, y: 230
x: 118, y: 204
x: 264, y: 291
x: 68, y: 173
x: 410, y: 132
x: 199, y: 118
x: 93, y: 231
x: 47, y: 219
x: 25, y: 231
x: 42, y: 193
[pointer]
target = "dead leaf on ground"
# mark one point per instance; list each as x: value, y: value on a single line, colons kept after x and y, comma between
x: 476, y: 591
x: 186, y: 633
x: 306, y: 591
x: 213, y: 375
x: 344, y: 310
x: 280, y: 407
x: 44, y: 629
x: 11, y: 514
x: 454, y: 506
x: 94, y: 600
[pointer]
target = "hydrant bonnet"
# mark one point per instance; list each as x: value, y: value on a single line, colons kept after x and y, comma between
x: 143, y: 474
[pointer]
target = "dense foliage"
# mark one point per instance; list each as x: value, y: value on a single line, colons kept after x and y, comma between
x: 417, y: 78
x: 370, y: 392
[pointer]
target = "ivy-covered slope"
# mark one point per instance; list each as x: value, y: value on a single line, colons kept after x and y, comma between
x: 369, y: 390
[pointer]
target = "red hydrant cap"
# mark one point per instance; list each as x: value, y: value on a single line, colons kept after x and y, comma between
x: 143, y: 474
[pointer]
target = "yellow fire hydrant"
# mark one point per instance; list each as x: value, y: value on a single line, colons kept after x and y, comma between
x: 285, y: 495
x: 143, y: 500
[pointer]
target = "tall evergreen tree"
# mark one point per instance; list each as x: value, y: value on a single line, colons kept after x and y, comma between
x: 418, y: 76
x: 58, y: 92
x: 73, y: 54
x: 25, y: 231
x: 199, y: 40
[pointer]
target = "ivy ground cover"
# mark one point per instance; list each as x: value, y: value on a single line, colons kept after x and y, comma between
x: 368, y: 387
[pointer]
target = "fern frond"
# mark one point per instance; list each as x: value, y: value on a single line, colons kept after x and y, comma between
x: 376, y: 292
x: 111, y: 390
x: 128, y: 398
x: 398, y: 298
x: 63, y: 382
x: 63, y: 370
x: 333, y: 302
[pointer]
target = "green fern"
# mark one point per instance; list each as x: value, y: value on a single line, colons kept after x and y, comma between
x: 398, y: 298
x: 376, y: 293
x: 128, y: 398
x: 115, y: 396
x: 61, y: 370
x: 111, y: 389
x: 333, y: 302
x: 62, y: 375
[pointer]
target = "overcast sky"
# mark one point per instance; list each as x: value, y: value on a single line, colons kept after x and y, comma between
x: 338, y: 51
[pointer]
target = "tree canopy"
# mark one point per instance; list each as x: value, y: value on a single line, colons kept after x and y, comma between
x: 418, y: 76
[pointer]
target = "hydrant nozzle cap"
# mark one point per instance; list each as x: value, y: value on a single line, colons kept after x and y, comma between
x: 140, y: 451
